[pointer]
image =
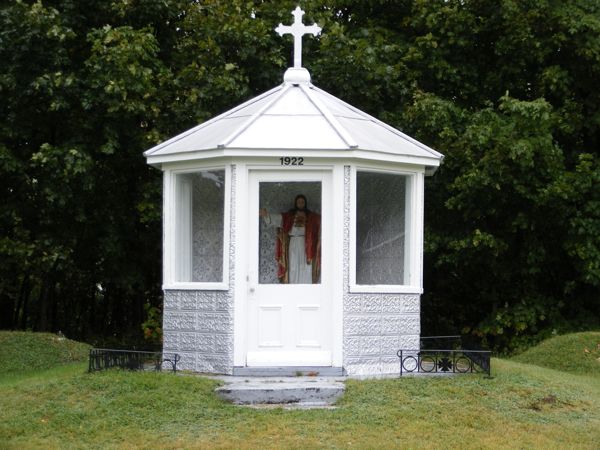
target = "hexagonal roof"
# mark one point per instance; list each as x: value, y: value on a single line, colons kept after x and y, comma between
x: 295, y: 116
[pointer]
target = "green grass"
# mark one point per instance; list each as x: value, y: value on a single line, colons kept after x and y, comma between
x: 521, y: 406
x: 22, y: 351
x: 576, y: 353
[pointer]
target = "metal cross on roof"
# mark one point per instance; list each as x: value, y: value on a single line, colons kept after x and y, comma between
x: 298, y: 29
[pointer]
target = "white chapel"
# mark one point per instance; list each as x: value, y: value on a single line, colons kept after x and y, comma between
x: 293, y: 181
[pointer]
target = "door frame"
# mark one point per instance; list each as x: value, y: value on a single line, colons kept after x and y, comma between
x: 242, y: 261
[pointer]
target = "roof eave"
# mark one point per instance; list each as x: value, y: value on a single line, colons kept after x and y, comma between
x: 320, y: 153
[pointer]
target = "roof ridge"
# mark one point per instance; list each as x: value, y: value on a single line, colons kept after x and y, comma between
x: 335, y: 124
x: 253, y: 118
x: 381, y: 123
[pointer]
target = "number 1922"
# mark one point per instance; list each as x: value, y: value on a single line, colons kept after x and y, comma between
x: 291, y: 161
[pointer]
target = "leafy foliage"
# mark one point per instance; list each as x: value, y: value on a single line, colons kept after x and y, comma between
x: 152, y: 326
x: 507, y: 91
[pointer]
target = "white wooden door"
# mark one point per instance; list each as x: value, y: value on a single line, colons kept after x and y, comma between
x: 288, y: 324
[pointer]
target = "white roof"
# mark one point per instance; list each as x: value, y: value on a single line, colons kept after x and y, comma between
x: 294, y: 116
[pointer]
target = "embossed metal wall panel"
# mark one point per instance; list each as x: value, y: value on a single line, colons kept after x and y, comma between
x: 202, y: 332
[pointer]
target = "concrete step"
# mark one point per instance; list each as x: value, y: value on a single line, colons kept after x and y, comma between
x: 301, y: 391
x: 294, y: 371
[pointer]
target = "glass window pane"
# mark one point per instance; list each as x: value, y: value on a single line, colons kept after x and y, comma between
x: 200, y: 215
x: 380, y: 228
x: 283, y: 254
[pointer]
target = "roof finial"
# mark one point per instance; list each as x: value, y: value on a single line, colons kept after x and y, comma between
x: 298, y: 29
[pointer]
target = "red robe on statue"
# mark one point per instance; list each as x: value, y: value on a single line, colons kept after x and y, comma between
x: 312, y: 245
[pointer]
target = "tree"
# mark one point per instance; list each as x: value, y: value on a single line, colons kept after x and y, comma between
x: 506, y: 90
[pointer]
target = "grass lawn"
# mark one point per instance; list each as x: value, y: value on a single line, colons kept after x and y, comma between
x: 521, y: 406
x: 576, y: 353
x: 21, y: 351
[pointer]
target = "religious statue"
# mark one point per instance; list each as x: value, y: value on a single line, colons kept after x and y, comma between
x: 298, y: 246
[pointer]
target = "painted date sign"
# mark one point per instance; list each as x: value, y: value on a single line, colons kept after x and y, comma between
x: 291, y: 161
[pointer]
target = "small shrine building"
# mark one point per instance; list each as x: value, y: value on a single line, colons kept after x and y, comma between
x: 235, y: 225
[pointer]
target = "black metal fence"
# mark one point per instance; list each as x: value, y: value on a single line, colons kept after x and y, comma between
x: 444, y: 354
x: 104, y: 358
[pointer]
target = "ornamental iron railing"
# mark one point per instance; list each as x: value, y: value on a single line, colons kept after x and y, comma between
x: 104, y: 358
x: 444, y: 361
x: 444, y: 354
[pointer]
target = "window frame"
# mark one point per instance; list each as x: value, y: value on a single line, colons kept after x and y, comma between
x: 413, y: 231
x: 171, y: 225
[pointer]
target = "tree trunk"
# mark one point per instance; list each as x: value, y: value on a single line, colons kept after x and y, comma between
x: 24, y: 315
x: 7, y: 312
x: 19, y: 304
x: 43, y: 305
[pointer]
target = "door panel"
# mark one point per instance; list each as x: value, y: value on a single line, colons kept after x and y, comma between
x: 288, y: 324
x: 270, y: 323
x: 308, y: 332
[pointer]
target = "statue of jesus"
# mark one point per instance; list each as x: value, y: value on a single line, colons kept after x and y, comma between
x: 298, y: 246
